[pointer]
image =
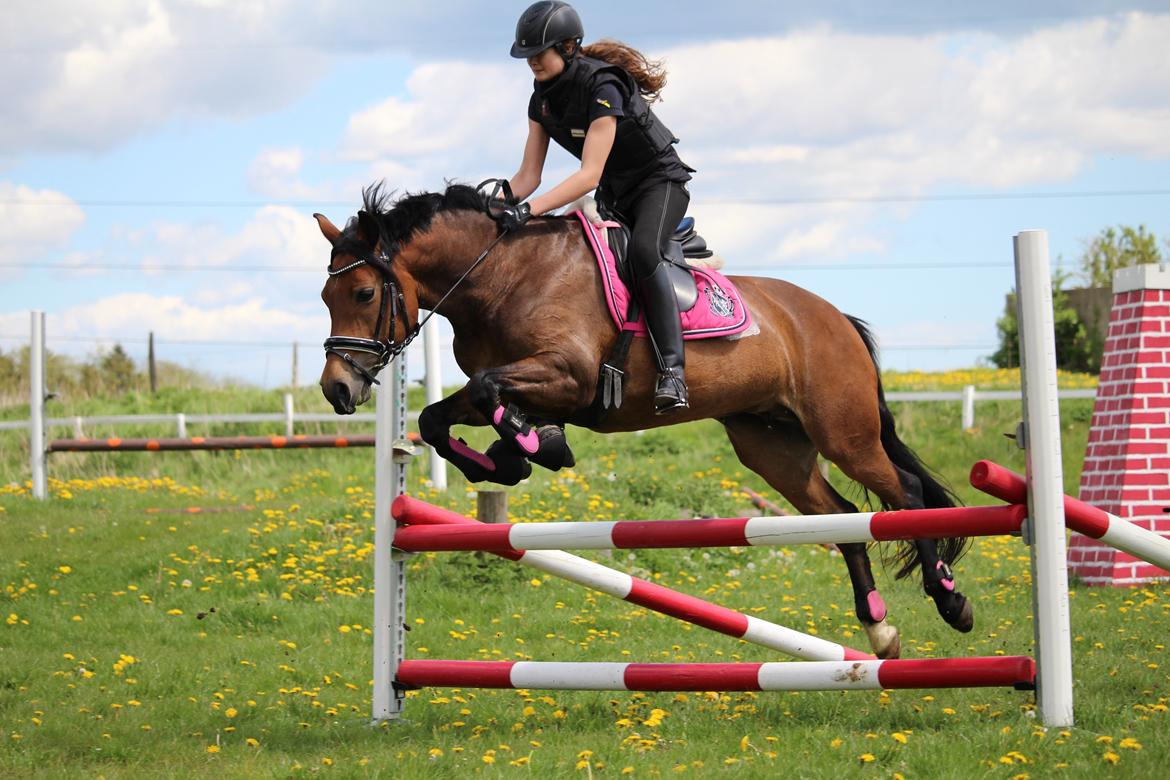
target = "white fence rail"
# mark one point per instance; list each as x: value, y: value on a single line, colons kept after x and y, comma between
x: 180, y: 420
x: 968, y: 397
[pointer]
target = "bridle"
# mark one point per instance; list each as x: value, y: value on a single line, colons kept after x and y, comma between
x: 393, y: 303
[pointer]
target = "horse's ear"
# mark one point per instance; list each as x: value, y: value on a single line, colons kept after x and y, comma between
x: 328, y: 229
x: 367, y: 229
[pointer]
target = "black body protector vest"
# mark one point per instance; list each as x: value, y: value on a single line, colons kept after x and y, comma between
x: 643, y: 145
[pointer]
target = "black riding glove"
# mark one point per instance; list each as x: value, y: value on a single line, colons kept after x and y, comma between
x: 513, y: 217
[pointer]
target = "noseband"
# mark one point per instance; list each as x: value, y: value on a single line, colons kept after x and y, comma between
x: 392, y: 304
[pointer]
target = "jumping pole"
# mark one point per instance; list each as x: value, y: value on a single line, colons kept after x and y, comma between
x: 714, y: 532
x: 644, y: 593
x: 873, y: 675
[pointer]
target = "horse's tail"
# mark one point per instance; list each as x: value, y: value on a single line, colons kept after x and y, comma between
x: 934, y: 493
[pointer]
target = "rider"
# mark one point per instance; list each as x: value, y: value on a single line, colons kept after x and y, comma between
x: 594, y: 102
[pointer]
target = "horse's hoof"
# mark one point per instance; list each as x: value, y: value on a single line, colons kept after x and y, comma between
x: 884, y: 640
x: 553, y: 453
x: 964, y: 620
x: 511, y: 467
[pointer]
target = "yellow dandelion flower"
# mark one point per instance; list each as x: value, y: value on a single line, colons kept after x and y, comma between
x: 866, y: 758
x: 1111, y: 757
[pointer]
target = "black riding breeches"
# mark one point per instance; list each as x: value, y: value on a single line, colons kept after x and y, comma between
x: 653, y: 215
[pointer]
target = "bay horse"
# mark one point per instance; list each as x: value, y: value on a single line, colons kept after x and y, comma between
x: 531, y: 330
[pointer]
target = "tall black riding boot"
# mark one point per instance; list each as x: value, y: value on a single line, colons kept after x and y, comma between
x: 666, y: 334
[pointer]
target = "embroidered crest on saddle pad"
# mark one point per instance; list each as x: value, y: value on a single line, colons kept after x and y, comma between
x: 719, y: 311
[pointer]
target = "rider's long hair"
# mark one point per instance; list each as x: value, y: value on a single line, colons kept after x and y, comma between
x: 650, y: 74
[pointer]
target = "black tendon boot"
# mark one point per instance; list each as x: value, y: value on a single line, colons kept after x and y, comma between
x: 667, y: 341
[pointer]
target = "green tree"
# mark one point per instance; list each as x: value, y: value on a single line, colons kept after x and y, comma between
x: 1077, y: 347
x: 117, y: 370
x: 1115, y: 248
x: 1074, y: 347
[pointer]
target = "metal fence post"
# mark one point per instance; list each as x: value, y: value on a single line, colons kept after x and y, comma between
x: 36, y: 399
x: 968, y: 407
x: 288, y: 414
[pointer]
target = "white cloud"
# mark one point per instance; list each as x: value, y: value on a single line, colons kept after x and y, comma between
x: 821, y: 112
x: 276, y: 235
x: 274, y: 173
x: 825, y: 114
x: 34, y: 223
x: 173, y: 317
x: 91, y: 75
x: 458, y: 116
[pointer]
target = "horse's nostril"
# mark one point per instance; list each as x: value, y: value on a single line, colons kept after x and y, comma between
x: 341, y: 390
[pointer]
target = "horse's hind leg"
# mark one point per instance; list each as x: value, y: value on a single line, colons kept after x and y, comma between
x: 783, y: 455
x: 897, y: 488
x: 937, y: 578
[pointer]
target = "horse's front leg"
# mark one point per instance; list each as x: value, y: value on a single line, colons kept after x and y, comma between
x: 500, y: 464
x: 543, y: 382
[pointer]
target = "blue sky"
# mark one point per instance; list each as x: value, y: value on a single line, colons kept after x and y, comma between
x: 159, y: 161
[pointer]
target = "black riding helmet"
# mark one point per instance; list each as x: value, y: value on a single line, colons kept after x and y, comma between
x: 546, y: 24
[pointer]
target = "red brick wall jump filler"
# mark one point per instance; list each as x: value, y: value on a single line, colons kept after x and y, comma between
x: 1127, y: 460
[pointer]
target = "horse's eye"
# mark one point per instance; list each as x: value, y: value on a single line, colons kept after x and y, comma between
x: 365, y: 295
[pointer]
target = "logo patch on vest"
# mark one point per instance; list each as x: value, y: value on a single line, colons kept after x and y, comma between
x: 576, y: 133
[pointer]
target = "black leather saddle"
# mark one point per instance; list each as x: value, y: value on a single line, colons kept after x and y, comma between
x: 683, y: 245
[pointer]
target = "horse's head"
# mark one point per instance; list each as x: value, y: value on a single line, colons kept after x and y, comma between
x: 379, y: 268
x: 370, y: 320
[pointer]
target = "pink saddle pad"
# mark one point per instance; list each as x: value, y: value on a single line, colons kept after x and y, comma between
x: 718, y: 312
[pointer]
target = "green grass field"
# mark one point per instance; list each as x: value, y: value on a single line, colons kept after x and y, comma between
x: 141, y: 639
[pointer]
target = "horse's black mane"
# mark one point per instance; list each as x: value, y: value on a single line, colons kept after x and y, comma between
x: 399, y: 219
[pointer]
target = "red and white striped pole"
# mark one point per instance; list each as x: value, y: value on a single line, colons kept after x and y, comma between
x: 994, y: 671
x: 718, y: 532
x: 1005, y: 484
x: 637, y: 591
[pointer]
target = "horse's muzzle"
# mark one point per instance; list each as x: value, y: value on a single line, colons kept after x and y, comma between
x: 339, y: 394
